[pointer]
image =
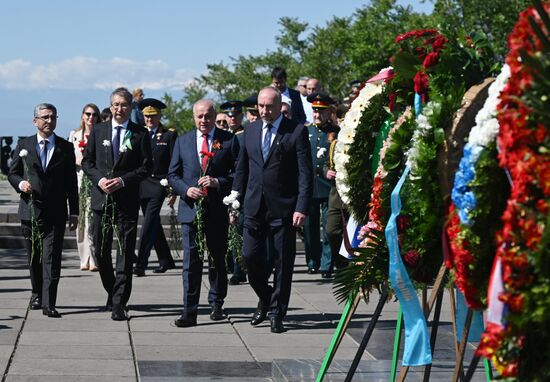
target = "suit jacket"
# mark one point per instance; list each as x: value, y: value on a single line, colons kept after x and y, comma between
x: 284, y: 179
x: 51, y: 188
x: 132, y: 166
x: 162, y: 146
x: 185, y: 171
x: 297, y: 107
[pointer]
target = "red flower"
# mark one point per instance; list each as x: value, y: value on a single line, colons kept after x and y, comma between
x: 209, y: 154
x: 392, y: 97
x: 430, y: 60
x: 411, y: 258
x: 421, y: 82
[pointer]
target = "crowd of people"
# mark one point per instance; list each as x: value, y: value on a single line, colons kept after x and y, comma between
x: 120, y: 160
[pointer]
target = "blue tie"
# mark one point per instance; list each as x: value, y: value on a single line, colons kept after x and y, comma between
x: 44, y: 154
x: 266, y: 144
x: 116, y: 143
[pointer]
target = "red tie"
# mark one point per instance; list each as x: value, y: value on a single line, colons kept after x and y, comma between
x: 204, y: 160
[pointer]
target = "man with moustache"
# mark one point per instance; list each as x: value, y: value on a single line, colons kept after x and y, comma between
x: 274, y: 174
x: 201, y: 171
x: 43, y: 172
x: 117, y: 158
x: 152, y: 193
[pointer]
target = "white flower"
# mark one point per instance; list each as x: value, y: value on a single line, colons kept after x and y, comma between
x: 235, y: 205
x: 23, y: 153
x: 231, y: 198
x: 321, y: 152
x: 123, y: 149
x: 164, y: 182
x: 486, y: 129
x: 106, y: 143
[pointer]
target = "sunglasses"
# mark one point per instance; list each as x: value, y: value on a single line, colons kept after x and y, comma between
x: 88, y: 114
x: 221, y: 122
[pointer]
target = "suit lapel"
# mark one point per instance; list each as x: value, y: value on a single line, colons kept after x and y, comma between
x: 34, y: 158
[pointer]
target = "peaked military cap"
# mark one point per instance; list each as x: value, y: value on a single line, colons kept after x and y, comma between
x: 319, y: 100
x: 251, y: 103
x: 232, y: 107
x: 151, y: 106
x: 355, y: 83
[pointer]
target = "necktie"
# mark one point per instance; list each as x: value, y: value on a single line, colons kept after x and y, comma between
x: 44, y: 154
x: 266, y: 144
x: 116, y: 143
x: 204, y: 148
x: 152, y: 132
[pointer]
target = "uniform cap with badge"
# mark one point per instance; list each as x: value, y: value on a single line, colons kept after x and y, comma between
x: 320, y: 101
x: 232, y: 108
x: 151, y: 106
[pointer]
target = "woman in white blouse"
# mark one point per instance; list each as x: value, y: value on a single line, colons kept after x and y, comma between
x: 79, y: 138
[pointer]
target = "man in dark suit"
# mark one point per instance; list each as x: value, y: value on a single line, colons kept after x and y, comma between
x: 117, y: 158
x: 43, y: 171
x: 203, y: 178
x: 152, y: 194
x: 278, y: 79
x: 274, y: 174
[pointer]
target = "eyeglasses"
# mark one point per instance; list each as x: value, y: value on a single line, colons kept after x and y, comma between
x: 47, y: 118
x: 123, y: 106
x: 221, y: 122
x: 88, y: 114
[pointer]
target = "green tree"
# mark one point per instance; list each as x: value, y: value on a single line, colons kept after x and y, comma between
x: 179, y: 113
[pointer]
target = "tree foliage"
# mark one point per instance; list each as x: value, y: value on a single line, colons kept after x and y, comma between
x: 347, y: 48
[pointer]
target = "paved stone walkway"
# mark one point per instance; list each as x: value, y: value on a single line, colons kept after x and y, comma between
x: 86, y: 345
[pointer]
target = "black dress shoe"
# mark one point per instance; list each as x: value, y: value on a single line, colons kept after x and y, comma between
x: 326, y: 275
x: 50, y: 312
x: 311, y: 271
x: 139, y: 272
x: 217, y: 313
x: 186, y: 320
x: 259, y: 315
x: 119, y: 314
x: 36, y: 303
x: 277, y: 325
x: 162, y: 268
x: 234, y: 280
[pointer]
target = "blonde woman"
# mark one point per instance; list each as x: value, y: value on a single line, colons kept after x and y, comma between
x: 79, y: 139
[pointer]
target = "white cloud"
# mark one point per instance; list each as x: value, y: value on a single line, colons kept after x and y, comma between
x: 79, y: 73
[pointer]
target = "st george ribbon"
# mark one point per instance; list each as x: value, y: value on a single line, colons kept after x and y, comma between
x: 417, y: 350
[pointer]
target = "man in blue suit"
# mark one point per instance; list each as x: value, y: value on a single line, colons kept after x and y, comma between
x: 274, y: 173
x: 206, y: 179
x: 278, y: 80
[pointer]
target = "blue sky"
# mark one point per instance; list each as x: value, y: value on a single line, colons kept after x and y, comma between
x: 72, y: 52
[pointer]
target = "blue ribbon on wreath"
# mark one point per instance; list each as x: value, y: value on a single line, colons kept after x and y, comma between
x: 417, y: 349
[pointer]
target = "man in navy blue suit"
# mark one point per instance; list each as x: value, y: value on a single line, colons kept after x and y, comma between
x: 195, y: 177
x: 274, y: 174
x: 278, y: 79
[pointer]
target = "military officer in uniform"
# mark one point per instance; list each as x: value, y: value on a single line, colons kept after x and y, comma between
x: 321, y: 133
x: 251, y: 106
x: 152, y: 194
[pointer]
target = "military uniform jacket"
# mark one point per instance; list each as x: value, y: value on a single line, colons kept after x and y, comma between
x: 162, y: 145
x: 320, y: 145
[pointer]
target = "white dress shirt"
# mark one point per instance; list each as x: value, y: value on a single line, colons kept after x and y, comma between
x: 275, y: 127
x: 51, y: 146
x: 115, y: 124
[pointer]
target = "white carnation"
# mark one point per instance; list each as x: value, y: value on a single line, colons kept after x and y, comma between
x: 235, y: 205
x: 123, y: 149
x: 106, y: 143
x: 164, y: 182
x: 321, y: 152
x: 231, y: 198
x: 23, y: 153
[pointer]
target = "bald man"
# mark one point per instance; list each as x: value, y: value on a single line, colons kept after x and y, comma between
x: 275, y: 175
x: 196, y: 178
